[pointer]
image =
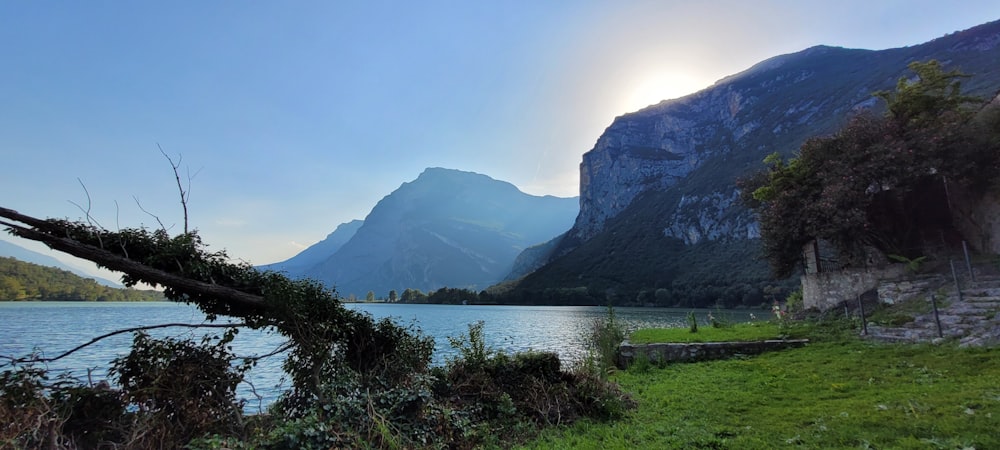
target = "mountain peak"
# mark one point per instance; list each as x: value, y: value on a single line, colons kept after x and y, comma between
x: 447, y: 227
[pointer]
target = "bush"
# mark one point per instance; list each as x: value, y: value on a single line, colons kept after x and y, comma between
x: 606, y: 335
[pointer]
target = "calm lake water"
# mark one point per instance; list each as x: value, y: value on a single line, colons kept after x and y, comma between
x: 51, y: 328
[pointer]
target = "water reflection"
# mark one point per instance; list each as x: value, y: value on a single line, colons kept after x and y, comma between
x: 54, y: 327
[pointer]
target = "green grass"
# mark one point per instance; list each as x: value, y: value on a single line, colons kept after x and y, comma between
x: 754, y: 331
x: 837, y: 392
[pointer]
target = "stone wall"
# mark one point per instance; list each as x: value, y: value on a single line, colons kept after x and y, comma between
x: 825, y: 290
x: 979, y: 221
x: 698, y: 351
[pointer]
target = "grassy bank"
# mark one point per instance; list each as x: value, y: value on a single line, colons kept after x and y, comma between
x: 755, y: 331
x: 838, y: 392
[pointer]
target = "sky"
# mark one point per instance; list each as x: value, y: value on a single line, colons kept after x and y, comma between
x: 289, y: 118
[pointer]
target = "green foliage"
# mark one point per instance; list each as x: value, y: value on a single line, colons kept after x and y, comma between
x: 413, y: 296
x: 472, y: 348
x: 521, y: 391
x: 606, y: 335
x: 26, y: 281
x: 36, y: 412
x: 671, y: 273
x: 692, y: 322
x: 355, y: 381
x: 879, y: 181
x: 451, y: 296
x: 189, y: 389
x: 912, y: 264
x: 934, y: 92
x: 754, y: 331
x: 838, y: 392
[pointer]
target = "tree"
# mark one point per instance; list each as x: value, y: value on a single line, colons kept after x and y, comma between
x: 11, y: 289
x: 411, y: 295
x: 370, y: 297
x: 328, y: 342
x: 924, y: 99
x: 356, y: 382
x: 392, y: 296
x: 879, y: 181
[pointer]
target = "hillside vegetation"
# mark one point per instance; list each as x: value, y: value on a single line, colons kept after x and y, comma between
x: 886, y: 182
x: 26, y: 281
x: 653, y: 224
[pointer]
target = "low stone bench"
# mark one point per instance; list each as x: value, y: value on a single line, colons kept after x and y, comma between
x: 663, y: 353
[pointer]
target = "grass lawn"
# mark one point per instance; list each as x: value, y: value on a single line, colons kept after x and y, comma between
x: 754, y: 331
x: 837, y: 392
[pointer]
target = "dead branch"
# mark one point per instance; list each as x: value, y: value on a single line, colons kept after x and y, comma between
x: 162, y: 227
x: 115, y: 333
x: 180, y: 187
x: 42, y: 231
x: 86, y: 211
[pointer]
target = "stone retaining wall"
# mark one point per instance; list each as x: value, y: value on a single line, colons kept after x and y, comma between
x: 698, y: 351
x: 825, y: 290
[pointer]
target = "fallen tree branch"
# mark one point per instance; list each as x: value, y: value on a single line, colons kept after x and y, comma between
x: 117, y: 332
x: 41, y: 231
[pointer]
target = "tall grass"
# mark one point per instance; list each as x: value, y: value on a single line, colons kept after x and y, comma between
x: 606, y: 334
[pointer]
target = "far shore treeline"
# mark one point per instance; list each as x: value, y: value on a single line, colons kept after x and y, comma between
x: 23, y: 281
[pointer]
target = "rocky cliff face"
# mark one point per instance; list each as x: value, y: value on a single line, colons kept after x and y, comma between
x: 666, y: 175
x: 661, y: 146
x: 727, y: 128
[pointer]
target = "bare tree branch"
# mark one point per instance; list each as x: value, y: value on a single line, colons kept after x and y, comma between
x: 180, y: 187
x: 117, y: 332
x: 86, y: 211
x: 162, y: 227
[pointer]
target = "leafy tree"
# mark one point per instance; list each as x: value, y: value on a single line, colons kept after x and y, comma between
x: 921, y: 101
x: 452, y: 296
x: 370, y: 296
x: 879, y: 182
x: 392, y: 296
x: 411, y: 295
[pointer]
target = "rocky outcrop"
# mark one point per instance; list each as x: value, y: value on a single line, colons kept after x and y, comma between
x: 671, y: 169
x: 658, y: 147
x: 714, y: 216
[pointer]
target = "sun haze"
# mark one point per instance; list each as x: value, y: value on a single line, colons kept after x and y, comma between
x: 292, y: 118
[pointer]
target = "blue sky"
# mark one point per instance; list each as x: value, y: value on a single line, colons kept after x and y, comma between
x: 293, y: 117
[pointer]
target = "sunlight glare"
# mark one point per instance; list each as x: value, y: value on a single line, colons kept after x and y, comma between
x: 662, y: 85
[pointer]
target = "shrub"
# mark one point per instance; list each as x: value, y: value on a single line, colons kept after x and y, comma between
x: 183, y: 389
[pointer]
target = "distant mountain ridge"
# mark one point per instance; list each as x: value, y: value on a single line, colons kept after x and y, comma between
x: 319, y: 252
x: 25, y: 281
x: 22, y: 254
x: 446, y: 228
x: 659, y: 184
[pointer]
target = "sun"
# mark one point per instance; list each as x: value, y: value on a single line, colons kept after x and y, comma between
x: 652, y: 88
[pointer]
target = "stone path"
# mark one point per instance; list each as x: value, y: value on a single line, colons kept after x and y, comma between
x: 974, y: 320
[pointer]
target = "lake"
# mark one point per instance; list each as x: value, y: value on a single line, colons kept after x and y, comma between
x: 51, y: 328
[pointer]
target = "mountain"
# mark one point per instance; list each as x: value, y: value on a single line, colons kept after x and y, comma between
x: 446, y: 228
x: 319, y: 252
x: 21, y: 280
x: 11, y: 250
x: 660, y: 221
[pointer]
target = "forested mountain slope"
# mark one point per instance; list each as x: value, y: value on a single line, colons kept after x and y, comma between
x: 660, y: 220
x: 20, y: 280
